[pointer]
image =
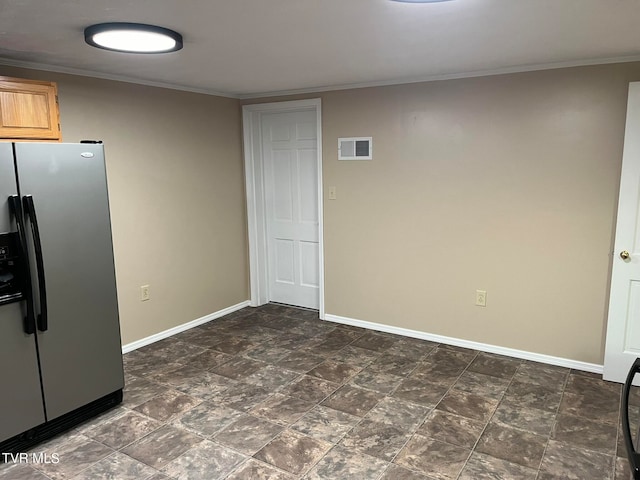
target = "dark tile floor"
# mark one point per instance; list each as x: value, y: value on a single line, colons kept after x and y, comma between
x: 275, y: 393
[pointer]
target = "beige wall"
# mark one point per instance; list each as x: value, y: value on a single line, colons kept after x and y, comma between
x: 506, y: 184
x: 176, y: 188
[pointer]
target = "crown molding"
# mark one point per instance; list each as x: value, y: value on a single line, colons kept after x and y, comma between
x: 106, y: 76
x: 320, y: 89
x: 448, y: 76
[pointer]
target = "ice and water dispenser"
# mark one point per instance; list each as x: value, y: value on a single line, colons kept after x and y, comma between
x: 10, y: 281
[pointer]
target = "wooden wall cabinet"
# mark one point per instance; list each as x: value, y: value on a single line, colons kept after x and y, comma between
x: 29, y: 110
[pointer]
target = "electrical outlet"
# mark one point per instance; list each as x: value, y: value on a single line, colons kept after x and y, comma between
x: 481, y: 298
x: 145, y: 294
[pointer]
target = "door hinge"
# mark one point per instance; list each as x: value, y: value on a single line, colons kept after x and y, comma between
x: 57, y: 103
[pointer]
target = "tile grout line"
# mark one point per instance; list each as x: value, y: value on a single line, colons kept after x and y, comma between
x: 473, y: 449
x: 289, y: 426
x: 389, y: 462
x: 203, y: 437
x: 253, y: 337
x: 390, y: 394
x: 337, y: 443
x: 555, y: 422
x: 435, y: 406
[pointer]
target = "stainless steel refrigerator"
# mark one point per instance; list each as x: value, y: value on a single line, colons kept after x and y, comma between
x: 60, y: 347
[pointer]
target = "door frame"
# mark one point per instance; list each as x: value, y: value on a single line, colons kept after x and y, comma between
x: 254, y: 184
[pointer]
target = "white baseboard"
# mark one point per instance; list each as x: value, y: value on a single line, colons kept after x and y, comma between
x: 181, y: 328
x: 483, y: 347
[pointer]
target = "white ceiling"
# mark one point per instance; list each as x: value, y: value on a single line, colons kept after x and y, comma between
x: 243, y: 48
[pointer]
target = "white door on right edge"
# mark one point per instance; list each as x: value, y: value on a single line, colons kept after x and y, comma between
x: 290, y: 160
x: 623, y: 327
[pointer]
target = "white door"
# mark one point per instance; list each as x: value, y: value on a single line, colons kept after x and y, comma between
x: 623, y: 328
x: 290, y: 159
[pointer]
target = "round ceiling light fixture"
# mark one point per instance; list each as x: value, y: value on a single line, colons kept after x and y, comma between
x: 132, y: 38
x: 420, y: 1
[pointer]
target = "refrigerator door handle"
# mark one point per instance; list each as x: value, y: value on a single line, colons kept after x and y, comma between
x: 15, y: 209
x: 632, y: 454
x: 30, y: 209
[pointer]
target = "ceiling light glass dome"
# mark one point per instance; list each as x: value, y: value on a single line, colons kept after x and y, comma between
x: 133, y: 38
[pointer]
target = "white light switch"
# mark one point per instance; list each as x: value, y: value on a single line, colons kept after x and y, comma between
x: 332, y: 193
x: 481, y: 298
x: 145, y: 294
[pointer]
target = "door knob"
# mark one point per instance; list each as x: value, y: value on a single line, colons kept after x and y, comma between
x: 624, y: 255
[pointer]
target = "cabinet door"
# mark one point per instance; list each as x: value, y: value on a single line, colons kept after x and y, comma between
x: 28, y: 109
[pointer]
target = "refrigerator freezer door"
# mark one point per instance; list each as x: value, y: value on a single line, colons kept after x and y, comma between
x: 80, y: 351
x: 21, y: 400
x: 7, y: 184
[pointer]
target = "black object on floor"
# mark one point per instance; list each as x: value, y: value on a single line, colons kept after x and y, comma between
x: 632, y: 454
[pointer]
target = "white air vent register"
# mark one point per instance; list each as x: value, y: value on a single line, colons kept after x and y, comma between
x: 355, y: 148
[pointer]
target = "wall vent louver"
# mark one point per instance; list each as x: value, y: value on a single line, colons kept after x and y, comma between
x: 355, y: 148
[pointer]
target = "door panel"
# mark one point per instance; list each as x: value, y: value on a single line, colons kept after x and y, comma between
x: 80, y: 353
x: 289, y: 151
x: 284, y: 261
x: 309, y: 261
x: 623, y: 327
x: 283, y: 188
x: 21, y: 400
x: 632, y: 323
x: 308, y: 182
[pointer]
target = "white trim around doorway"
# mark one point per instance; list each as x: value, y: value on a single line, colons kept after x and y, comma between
x: 252, y: 138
